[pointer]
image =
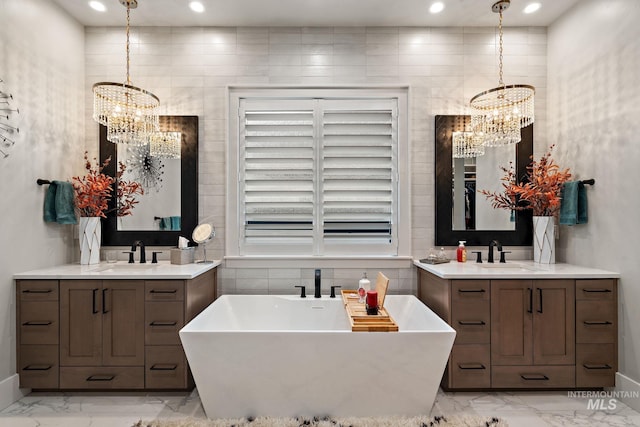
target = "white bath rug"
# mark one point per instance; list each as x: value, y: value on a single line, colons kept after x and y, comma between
x: 441, y: 421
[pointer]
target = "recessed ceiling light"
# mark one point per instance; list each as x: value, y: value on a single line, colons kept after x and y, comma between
x: 96, y: 5
x: 196, y: 6
x: 532, y: 7
x: 436, y: 7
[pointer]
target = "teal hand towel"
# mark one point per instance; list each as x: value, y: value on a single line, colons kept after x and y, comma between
x: 573, y: 207
x: 175, y: 223
x: 59, y: 203
x: 165, y: 223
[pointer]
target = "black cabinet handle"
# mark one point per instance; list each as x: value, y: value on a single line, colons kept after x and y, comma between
x: 163, y: 291
x: 530, y: 310
x: 593, y: 291
x: 471, y: 322
x: 100, y: 378
x: 104, y: 301
x: 157, y: 323
x: 36, y: 323
x: 471, y: 291
x: 37, y: 291
x: 37, y: 367
x: 160, y: 367
x: 534, y: 377
x: 596, y: 322
x: 471, y: 366
x: 94, y: 310
x: 540, y: 296
x: 603, y: 366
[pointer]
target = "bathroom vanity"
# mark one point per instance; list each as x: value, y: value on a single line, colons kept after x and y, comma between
x: 108, y: 326
x: 522, y: 325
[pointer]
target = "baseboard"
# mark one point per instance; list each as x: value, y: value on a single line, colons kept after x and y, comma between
x: 10, y: 391
x: 629, y: 391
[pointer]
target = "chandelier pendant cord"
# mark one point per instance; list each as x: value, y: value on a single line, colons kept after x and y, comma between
x: 128, y: 21
x: 501, y: 81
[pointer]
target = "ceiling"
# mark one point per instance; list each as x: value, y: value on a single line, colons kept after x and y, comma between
x: 311, y: 13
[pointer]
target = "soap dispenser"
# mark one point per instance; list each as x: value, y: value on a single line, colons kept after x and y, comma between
x: 364, y: 285
x: 462, y: 251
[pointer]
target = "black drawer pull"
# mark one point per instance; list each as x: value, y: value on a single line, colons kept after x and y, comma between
x: 36, y: 323
x: 100, y: 378
x: 471, y: 366
x: 593, y: 291
x: 597, y: 322
x: 534, y: 377
x: 37, y: 291
x: 37, y: 367
x: 163, y: 291
x: 471, y: 322
x: 160, y: 367
x: 471, y: 291
x: 94, y: 292
x: 603, y: 366
x: 157, y: 323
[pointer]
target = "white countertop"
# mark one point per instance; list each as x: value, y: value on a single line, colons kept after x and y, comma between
x: 513, y: 270
x: 119, y: 270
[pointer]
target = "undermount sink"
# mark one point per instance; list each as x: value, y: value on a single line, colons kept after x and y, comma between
x: 508, y: 266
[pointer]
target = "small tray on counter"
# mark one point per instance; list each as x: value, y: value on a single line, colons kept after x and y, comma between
x: 433, y: 261
x: 363, y: 322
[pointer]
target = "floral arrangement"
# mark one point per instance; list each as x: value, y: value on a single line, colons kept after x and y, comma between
x: 94, y: 190
x: 539, y: 191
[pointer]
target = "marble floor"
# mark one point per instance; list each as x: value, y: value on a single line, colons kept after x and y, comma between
x: 519, y: 409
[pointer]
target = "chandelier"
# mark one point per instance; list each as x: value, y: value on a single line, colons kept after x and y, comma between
x: 129, y: 113
x: 144, y: 168
x: 501, y: 112
x: 467, y: 144
x: 165, y: 145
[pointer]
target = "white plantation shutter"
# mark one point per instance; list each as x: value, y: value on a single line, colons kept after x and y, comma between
x: 318, y: 176
x: 359, y: 139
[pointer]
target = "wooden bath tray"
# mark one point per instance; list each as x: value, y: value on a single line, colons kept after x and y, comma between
x: 363, y: 322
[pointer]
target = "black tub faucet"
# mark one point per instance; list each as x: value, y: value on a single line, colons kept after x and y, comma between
x: 491, y: 245
x: 318, y: 277
x: 143, y: 259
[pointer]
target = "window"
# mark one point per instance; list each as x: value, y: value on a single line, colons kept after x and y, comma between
x: 319, y: 175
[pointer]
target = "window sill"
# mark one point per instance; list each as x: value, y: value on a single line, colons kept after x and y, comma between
x: 280, y: 261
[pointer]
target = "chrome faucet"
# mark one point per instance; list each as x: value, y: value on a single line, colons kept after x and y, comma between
x: 491, y: 245
x: 143, y: 259
x: 316, y: 294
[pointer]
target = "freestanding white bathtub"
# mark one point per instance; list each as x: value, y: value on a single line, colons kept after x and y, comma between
x: 286, y: 356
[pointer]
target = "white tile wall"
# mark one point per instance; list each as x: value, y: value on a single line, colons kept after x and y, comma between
x: 190, y: 68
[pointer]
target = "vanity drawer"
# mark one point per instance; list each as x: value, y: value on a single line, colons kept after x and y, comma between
x: 470, y: 290
x: 596, y: 365
x: 38, y: 366
x: 595, y: 289
x: 542, y: 376
x: 38, y: 290
x: 472, y: 321
x: 163, y: 320
x: 595, y: 322
x: 164, y: 290
x: 98, y: 377
x: 165, y: 367
x: 470, y: 366
x: 39, y: 322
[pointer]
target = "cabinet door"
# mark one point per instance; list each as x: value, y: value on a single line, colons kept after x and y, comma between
x: 123, y: 322
x: 554, y: 322
x: 80, y: 322
x: 511, y: 323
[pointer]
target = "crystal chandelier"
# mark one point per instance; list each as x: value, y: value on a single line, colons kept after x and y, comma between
x: 467, y: 144
x: 144, y: 168
x: 129, y: 113
x: 165, y: 145
x: 501, y: 112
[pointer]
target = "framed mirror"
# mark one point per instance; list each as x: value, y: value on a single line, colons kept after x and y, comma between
x: 462, y: 213
x: 169, y: 207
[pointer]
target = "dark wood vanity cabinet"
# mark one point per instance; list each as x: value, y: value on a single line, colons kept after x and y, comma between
x: 551, y: 333
x: 107, y: 334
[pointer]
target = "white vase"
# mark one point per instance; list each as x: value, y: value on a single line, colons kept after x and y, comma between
x: 544, y: 244
x: 90, y: 235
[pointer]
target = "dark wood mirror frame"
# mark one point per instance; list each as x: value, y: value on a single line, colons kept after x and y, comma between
x: 445, y: 234
x: 188, y: 125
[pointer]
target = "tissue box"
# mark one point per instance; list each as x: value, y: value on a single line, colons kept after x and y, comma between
x: 183, y: 256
